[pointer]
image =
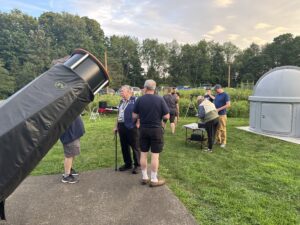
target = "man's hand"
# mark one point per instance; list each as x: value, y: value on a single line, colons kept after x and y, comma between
x: 137, y: 124
x: 115, y: 130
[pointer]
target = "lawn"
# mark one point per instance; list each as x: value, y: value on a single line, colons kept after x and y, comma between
x: 255, y: 180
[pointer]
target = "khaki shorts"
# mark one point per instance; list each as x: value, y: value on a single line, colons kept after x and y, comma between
x: 72, y: 149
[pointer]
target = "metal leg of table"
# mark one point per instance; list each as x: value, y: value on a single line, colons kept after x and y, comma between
x: 185, y: 136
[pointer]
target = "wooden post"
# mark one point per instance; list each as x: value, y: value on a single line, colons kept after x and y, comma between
x: 228, y: 75
x: 105, y: 61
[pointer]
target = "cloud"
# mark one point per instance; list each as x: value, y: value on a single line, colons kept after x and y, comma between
x: 254, y: 39
x: 207, y: 37
x: 241, y: 22
x: 278, y: 30
x: 259, y: 26
x: 23, y: 6
x: 223, y: 3
x: 217, y: 29
x: 230, y: 17
x: 233, y: 37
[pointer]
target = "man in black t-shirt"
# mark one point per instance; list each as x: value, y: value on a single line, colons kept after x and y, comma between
x: 151, y: 109
x: 172, y: 104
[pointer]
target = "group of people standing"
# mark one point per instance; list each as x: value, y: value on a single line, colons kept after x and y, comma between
x: 212, y: 111
x: 139, y: 124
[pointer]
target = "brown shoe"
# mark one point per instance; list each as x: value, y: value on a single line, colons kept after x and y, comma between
x: 157, y: 184
x: 145, y: 181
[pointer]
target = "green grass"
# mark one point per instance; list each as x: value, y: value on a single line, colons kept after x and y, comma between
x: 255, y: 180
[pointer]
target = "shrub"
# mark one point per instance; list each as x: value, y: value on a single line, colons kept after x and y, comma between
x: 239, y: 109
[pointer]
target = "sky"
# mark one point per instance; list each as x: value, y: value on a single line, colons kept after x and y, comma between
x: 241, y: 22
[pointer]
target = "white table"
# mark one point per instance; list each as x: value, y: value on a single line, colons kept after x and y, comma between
x: 194, y: 127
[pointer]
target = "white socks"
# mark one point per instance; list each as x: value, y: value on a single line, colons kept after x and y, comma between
x: 154, y: 176
x: 145, y: 175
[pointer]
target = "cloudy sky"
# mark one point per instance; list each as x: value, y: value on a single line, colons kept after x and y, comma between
x: 187, y: 21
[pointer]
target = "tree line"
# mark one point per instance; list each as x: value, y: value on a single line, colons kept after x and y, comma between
x: 28, y: 45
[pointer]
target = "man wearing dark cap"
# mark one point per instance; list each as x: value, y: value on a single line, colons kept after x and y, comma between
x: 222, y: 102
x: 151, y: 109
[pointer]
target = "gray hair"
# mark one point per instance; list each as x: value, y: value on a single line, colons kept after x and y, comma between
x: 127, y: 87
x: 150, y: 84
x: 200, y: 99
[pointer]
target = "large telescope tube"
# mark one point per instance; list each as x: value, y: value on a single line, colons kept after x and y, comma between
x: 33, y: 119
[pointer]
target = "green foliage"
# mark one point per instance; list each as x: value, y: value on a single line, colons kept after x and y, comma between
x: 28, y: 46
x: 124, y: 61
x: 7, y: 84
x: 239, y: 109
x: 255, y: 180
x: 112, y: 100
x: 238, y: 97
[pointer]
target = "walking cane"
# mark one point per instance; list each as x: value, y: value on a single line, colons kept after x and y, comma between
x: 116, y: 150
x: 2, y: 212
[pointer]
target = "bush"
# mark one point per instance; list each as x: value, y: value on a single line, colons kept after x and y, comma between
x: 112, y: 100
x: 239, y: 109
x: 238, y: 97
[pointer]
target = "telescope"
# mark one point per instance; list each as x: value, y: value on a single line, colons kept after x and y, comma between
x: 33, y: 119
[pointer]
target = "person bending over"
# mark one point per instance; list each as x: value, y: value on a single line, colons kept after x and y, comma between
x: 207, y: 112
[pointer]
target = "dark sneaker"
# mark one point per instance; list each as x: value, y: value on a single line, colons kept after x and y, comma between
x: 135, y: 170
x: 157, y: 184
x: 74, y: 172
x: 69, y: 179
x: 125, y: 167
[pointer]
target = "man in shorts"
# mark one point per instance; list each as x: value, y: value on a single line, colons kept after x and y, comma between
x: 71, y: 144
x: 151, y: 109
x: 172, y: 105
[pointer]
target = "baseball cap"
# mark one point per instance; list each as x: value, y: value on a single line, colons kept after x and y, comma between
x: 217, y: 86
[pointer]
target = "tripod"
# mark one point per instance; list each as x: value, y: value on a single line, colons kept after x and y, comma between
x: 191, y: 106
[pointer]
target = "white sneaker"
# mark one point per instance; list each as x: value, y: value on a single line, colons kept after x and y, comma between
x: 222, y: 145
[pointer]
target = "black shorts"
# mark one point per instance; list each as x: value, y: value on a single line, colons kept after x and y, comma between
x: 152, y: 138
x: 172, y: 118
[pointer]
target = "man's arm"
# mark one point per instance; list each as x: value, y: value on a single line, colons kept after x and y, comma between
x: 226, y: 106
x: 135, y: 116
x: 167, y: 116
x: 201, y: 112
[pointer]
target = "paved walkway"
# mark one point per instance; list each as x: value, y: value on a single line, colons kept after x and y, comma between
x: 102, y: 197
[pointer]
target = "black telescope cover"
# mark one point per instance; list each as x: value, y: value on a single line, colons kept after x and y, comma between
x: 32, y: 120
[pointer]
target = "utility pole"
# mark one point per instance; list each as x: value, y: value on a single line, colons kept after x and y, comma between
x: 228, y: 75
x: 105, y: 60
x: 105, y: 64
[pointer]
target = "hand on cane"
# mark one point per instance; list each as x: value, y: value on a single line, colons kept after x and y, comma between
x: 115, y: 130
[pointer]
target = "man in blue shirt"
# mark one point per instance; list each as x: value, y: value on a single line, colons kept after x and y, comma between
x: 128, y: 130
x: 71, y: 143
x: 222, y: 102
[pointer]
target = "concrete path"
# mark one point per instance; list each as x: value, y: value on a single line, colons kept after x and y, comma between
x: 102, y: 197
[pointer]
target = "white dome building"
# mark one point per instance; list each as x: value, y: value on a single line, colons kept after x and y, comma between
x: 275, y: 103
